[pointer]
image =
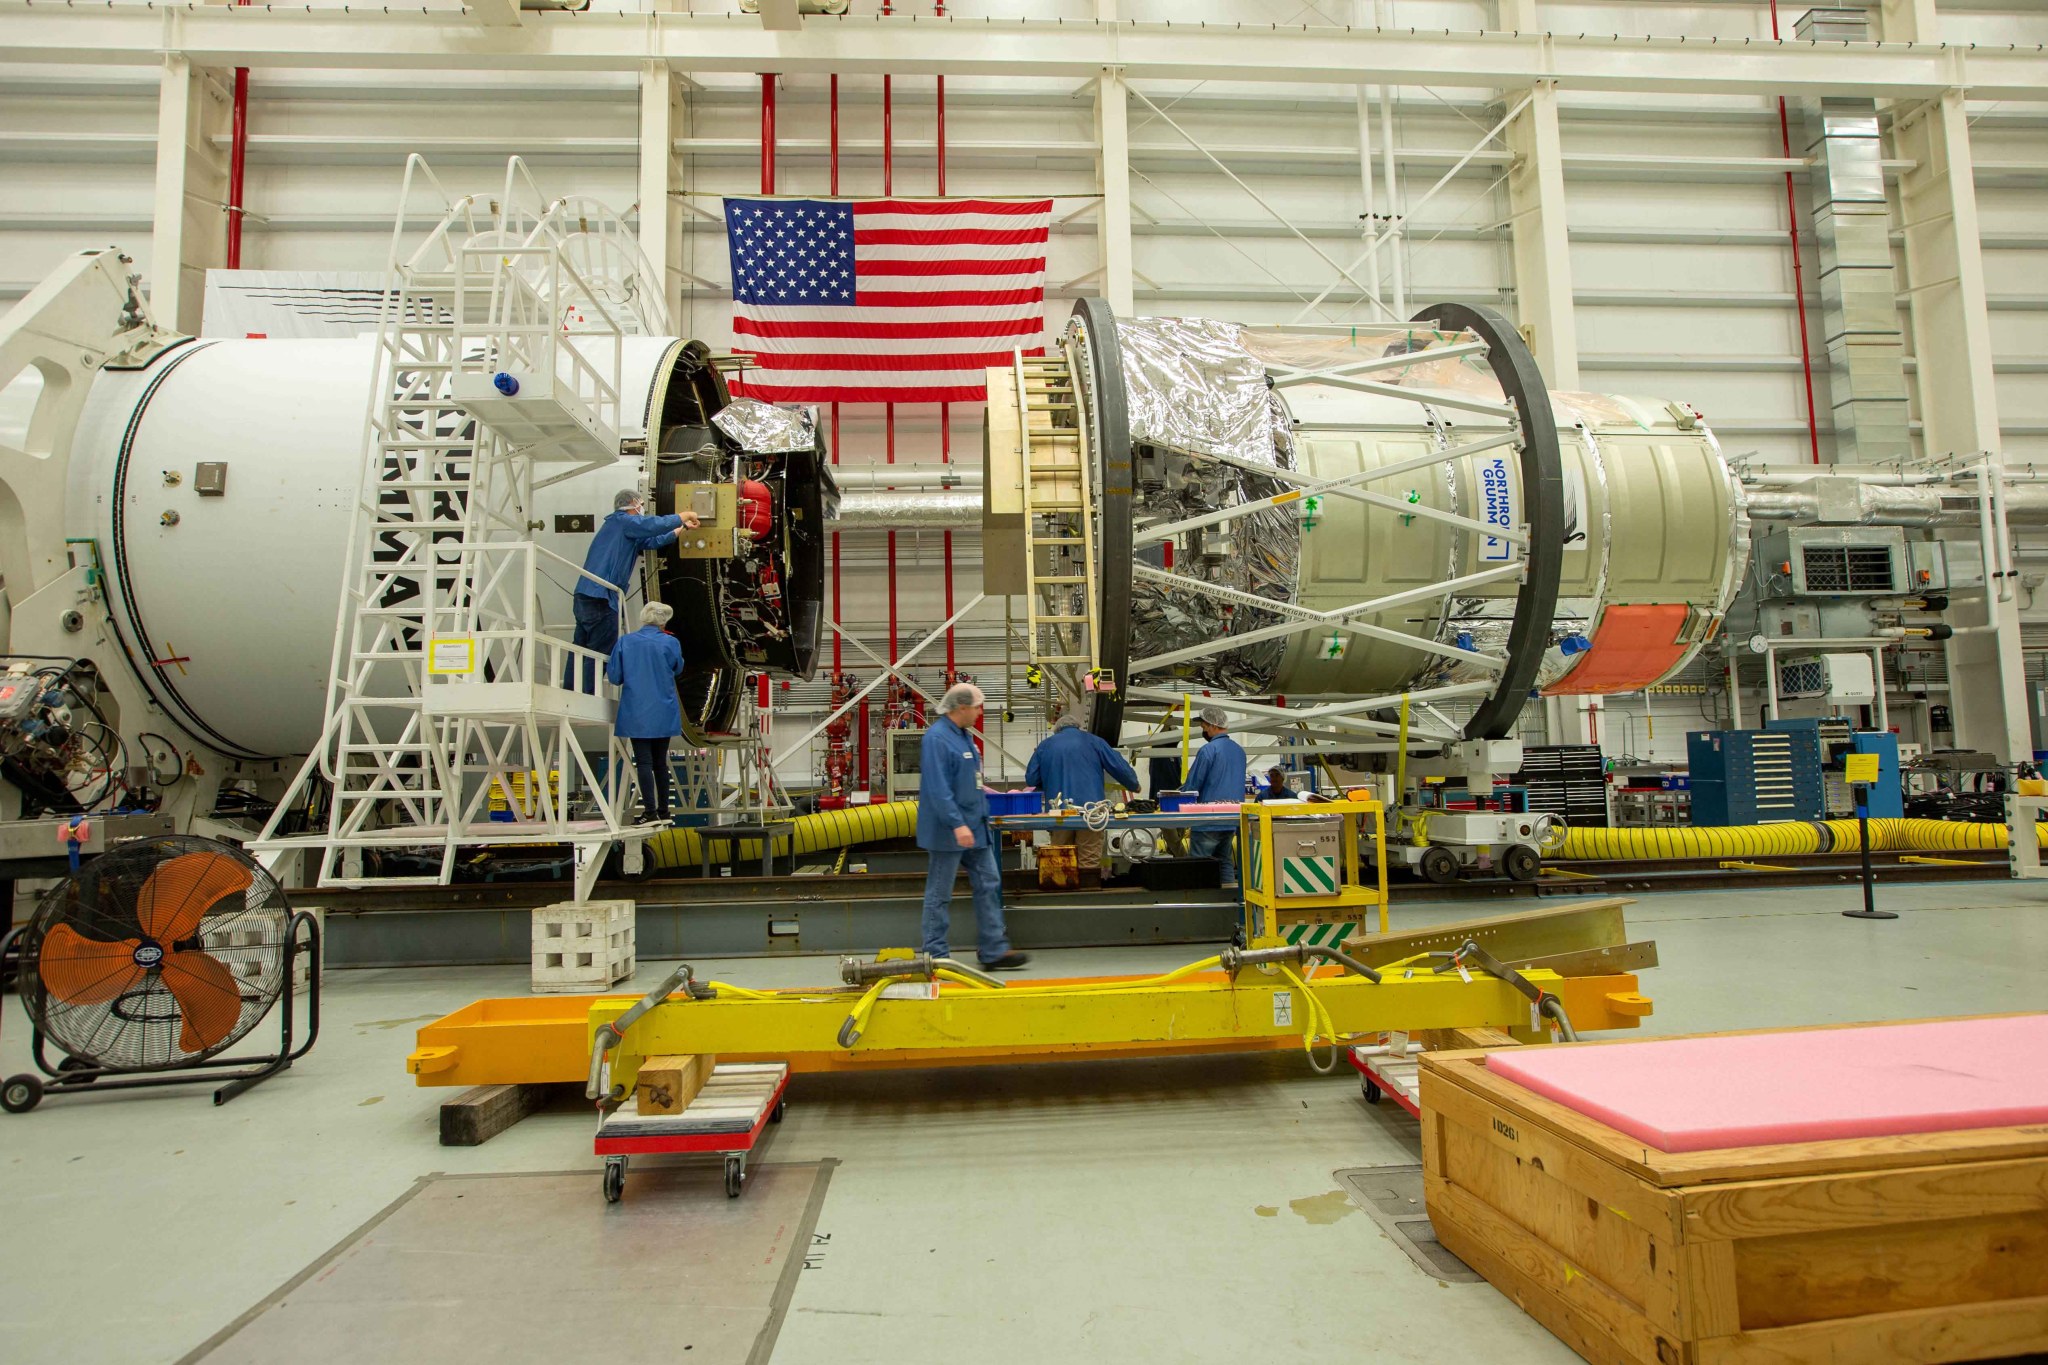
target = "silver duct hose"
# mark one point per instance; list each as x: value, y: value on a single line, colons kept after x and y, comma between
x: 901, y: 476
x: 924, y: 509
x: 1879, y: 505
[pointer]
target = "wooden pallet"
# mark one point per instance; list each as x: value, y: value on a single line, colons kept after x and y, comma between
x: 1927, y: 1247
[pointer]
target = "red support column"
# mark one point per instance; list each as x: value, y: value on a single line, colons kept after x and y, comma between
x: 767, y: 134
x: 238, y: 157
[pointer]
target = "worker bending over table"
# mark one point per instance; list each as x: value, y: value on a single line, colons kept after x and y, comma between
x: 1070, y: 767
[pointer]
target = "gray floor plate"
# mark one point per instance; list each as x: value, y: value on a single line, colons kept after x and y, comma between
x: 1393, y: 1196
x: 537, y: 1267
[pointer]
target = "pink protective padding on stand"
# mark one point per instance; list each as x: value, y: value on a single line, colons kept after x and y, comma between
x: 1695, y: 1094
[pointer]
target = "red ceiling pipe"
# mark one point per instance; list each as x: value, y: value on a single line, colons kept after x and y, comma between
x: 238, y: 156
x: 1798, y: 272
x: 889, y: 409
x: 946, y: 409
x: 838, y: 642
x: 767, y: 134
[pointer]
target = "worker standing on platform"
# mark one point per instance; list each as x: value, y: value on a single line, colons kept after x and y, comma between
x: 952, y: 827
x: 645, y: 666
x: 1217, y: 774
x: 1069, y: 766
x: 614, y: 553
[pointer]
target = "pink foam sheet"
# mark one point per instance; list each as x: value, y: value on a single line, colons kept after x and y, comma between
x: 1755, y: 1090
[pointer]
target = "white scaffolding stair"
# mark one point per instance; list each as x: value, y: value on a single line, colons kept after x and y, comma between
x: 498, y: 364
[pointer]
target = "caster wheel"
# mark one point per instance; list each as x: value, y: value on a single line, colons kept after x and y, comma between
x: 21, y: 1094
x: 1521, y: 863
x: 1439, y: 865
x: 735, y: 1179
x: 775, y: 1115
x: 76, y: 1064
x: 614, y: 1181
x: 1372, y: 1093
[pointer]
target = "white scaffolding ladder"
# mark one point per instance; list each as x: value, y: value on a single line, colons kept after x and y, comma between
x: 454, y: 718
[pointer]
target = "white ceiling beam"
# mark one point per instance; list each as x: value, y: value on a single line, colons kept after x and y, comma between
x: 133, y: 34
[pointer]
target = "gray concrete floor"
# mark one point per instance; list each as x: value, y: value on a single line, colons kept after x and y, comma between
x: 1136, y: 1211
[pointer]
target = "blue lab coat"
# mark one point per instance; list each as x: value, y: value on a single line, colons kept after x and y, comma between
x: 1217, y: 774
x: 949, y: 788
x: 617, y: 547
x: 1071, y: 764
x: 645, y: 665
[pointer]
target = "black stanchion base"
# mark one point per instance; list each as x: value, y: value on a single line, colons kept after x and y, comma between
x: 1870, y: 914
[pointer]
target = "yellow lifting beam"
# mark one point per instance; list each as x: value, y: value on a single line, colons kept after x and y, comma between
x: 495, y: 1042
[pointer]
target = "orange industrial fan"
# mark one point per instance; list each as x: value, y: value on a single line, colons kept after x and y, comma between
x: 156, y: 958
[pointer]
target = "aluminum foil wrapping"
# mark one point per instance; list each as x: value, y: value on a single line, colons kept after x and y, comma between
x: 1194, y: 391
x: 764, y: 428
x: 1194, y: 387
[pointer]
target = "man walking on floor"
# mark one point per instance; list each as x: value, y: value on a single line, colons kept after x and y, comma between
x: 1070, y: 765
x: 952, y: 827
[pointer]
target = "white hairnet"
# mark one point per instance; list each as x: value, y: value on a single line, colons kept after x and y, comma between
x: 1069, y: 721
x: 1214, y: 715
x: 656, y: 614
x: 626, y: 498
x: 959, y: 695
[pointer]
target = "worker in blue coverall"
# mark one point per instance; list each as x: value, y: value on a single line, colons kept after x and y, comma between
x: 1217, y: 774
x: 645, y: 666
x: 952, y: 827
x: 1069, y: 766
x: 613, y: 554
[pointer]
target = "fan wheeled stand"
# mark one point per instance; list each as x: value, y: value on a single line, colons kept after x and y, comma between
x: 21, y: 1093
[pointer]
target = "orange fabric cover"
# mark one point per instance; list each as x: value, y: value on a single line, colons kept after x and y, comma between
x: 1634, y: 647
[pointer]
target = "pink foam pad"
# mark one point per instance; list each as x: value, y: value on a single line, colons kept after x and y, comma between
x: 1695, y: 1094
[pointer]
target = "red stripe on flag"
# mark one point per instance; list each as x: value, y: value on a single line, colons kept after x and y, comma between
x: 842, y: 393
x: 840, y: 360
x: 949, y: 236
x: 1019, y: 208
x: 882, y: 331
x: 1030, y: 265
x: 946, y: 298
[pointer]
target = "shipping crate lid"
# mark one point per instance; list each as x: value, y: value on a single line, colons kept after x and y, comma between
x: 1764, y: 1089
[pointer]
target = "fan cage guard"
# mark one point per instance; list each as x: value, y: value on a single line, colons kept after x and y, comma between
x: 139, y: 1029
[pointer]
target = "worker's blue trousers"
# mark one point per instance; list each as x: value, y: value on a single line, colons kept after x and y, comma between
x: 597, y: 627
x: 986, y: 880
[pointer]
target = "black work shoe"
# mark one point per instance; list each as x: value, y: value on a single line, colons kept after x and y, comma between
x: 1008, y: 962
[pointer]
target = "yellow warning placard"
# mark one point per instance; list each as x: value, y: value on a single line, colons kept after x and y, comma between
x: 452, y: 654
x: 1860, y: 767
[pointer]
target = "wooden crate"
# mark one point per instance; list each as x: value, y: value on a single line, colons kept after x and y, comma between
x: 1928, y: 1247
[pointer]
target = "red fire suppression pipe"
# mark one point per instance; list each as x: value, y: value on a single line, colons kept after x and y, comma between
x: 1798, y: 273
x: 946, y: 409
x: 238, y: 156
x: 767, y: 134
x: 889, y: 409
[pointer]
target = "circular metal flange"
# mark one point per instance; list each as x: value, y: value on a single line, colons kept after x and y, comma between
x: 1542, y: 469
x: 1105, y: 405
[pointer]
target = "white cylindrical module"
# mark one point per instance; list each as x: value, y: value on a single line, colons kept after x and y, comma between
x: 217, y: 485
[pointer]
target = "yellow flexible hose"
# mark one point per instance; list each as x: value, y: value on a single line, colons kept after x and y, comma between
x: 1793, y: 836
x: 813, y: 833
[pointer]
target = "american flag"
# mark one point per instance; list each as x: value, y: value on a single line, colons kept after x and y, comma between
x: 884, y: 300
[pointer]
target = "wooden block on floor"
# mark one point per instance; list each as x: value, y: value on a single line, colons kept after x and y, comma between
x: 476, y: 1116
x: 1921, y: 1247
x: 667, y: 1084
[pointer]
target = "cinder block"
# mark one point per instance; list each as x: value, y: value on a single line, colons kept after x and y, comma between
x: 581, y: 947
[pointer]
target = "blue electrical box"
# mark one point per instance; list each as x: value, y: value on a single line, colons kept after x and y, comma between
x: 1887, y: 798
x: 1754, y: 777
